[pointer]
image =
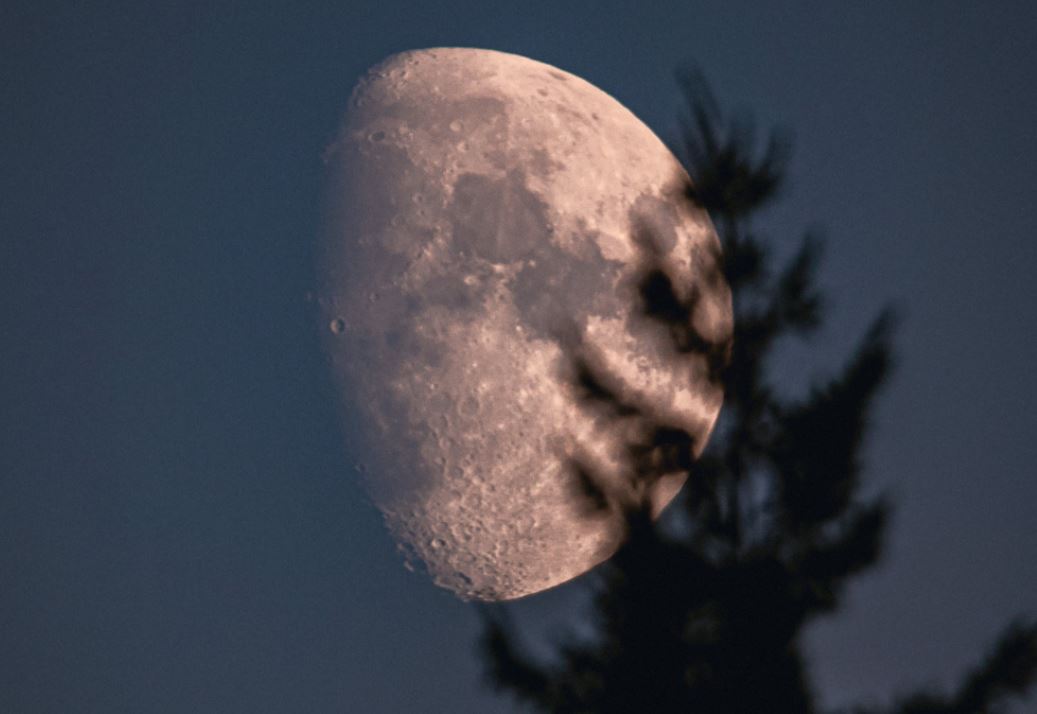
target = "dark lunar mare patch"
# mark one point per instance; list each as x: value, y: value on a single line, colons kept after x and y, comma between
x: 659, y: 217
x: 497, y: 219
x: 472, y: 112
x: 500, y: 220
x: 556, y: 288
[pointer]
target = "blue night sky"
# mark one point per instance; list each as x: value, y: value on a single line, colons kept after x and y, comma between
x: 180, y: 527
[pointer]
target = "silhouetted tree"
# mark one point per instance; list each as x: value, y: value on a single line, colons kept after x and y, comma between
x: 707, y: 615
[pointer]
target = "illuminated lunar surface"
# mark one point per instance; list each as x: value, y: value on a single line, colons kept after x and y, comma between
x: 478, y: 205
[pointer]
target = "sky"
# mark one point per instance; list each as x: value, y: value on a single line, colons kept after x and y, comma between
x: 180, y: 525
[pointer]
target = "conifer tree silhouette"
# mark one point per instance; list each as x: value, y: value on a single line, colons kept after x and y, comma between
x: 707, y: 616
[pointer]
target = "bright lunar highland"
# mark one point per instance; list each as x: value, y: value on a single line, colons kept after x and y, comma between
x: 480, y: 218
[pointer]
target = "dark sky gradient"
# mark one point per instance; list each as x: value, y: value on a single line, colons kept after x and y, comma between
x: 180, y: 529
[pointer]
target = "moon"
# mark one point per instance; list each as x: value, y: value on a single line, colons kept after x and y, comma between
x: 479, y: 218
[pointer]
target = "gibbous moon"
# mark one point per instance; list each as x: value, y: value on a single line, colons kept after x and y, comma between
x: 480, y: 214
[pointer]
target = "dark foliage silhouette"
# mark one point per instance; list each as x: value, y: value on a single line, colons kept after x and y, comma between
x: 706, y: 613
